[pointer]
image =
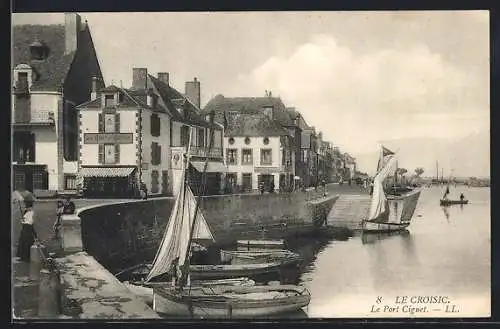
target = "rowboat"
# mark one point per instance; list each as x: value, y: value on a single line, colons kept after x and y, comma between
x: 452, y: 202
x: 230, y: 302
x: 265, y: 244
x: 237, y: 257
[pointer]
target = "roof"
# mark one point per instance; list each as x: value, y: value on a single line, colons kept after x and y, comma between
x: 170, y: 101
x: 51, y: 72
x: 252, y: 125
x: 220, y: 105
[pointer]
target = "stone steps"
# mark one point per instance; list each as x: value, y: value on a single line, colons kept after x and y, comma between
x: 349, y: 210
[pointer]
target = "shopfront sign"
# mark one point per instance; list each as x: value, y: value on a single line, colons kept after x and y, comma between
x: 108, y: 138
x: 267, y: 170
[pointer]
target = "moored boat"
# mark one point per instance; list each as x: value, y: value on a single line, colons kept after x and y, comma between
x: 260, y: 244
x: 389, y: 212
x: 230, y: 302
x: 444, y: 202
x: 237, y: 257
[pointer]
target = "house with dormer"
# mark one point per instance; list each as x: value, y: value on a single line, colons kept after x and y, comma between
x: 138, y: 135
x: 53, y: 67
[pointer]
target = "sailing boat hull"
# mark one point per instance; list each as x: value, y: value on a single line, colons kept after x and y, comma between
x: 212, y: 272
x: 383, y: 227
x: 230, y: 302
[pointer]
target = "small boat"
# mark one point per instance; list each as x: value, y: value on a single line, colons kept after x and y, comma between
x: 260, y: 244
x: 443, y: 202
x: 389, y: 213
x: 145, y: 290
x: 236, y: 257
x: 222, y: 302
x: 218, y: 301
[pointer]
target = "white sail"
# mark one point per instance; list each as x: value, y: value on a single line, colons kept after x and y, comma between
x: 378, y: 208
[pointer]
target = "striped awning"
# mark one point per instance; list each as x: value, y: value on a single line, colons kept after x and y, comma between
x: 106, y: 171
x: 212, y: 166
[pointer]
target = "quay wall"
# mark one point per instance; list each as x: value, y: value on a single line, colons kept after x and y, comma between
x: 131, y: 231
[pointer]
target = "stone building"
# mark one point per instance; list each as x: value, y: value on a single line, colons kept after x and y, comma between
x: 53, y: 66
x: 138, y: 135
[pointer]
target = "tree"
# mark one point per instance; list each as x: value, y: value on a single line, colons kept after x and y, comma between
x: 419, y: 171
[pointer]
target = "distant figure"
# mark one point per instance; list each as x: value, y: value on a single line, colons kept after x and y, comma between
x: 323, y: 184
x: 350, y: 182
x: 371, y: 188
x: 143, y: 191
x: 28, y: 234
x: 58, y: 223
x: 68, y: 206
x: 271, y: 187
x: 462, y: 197
x: 261, y: 187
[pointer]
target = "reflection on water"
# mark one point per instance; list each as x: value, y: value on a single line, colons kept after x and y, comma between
x: 447, y: 213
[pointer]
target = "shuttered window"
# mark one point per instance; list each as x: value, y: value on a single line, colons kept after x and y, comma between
x: 155, y: 154
x: 154, y: 181
x: 117, y: 122
x: 117, y: 153
x: 155, y: 125
x: 101, y: 153
x: 101, y: 123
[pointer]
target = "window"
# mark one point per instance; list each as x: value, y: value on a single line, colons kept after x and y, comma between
x: 70, y: 182
x: 109, y: 123
x: 201, y: 137
x: 155, y: 125
x: 232, y: 156
x: 266, y: 157
x: 231, y: 140
x: 22, y: 81
x: 247, y: 140
x: 283, y: 157
x: 246, y: 157
x: 154, y: 181
x: 184, y: 136
x: 155, y: 154
x: 109, y: 100
x: 266, y: 140
x: 247, y: 182
x: 109, y: 153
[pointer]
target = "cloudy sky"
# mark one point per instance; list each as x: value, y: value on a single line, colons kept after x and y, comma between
x: 360, y: 77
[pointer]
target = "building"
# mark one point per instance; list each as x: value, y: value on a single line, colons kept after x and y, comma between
x: 53, y: 66
x: 139, y: 135
x: 257, y: 152
x: 349, y: 167
x: 267, y: 139
x: 309, y: 145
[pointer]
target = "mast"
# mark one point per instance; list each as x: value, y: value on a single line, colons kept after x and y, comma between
x: 437, y: 172
x: 201, y: 190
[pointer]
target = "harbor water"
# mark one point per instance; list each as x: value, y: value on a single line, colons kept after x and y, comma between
x: 445, y: 252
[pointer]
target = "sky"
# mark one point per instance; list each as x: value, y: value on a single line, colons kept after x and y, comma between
x: 362, y: 78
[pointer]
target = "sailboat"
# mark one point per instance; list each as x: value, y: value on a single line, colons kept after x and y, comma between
x: 218, y: 301
x: 444, y: 201
x: 392, y: 213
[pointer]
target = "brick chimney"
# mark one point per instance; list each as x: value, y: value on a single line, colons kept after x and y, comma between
x: 139, y: 78
x: 164, y: 77
x: 73, y: 26
x: 192, y: 92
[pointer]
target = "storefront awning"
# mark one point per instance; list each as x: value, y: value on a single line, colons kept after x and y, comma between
x: 212, y: 166
x: 106, y: 171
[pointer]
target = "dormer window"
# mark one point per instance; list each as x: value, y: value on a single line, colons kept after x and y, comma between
x: 22, y: 78
x: 38, y: 51
x: 109, y: 100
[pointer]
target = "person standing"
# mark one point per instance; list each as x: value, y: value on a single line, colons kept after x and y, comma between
x: 28, y: 234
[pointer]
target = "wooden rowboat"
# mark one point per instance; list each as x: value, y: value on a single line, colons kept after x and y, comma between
x: 452, y: 202
x: 249, y: 244
x: 237, y: 257
x: 223, y: 302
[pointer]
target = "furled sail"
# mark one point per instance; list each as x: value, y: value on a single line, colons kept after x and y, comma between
x: 379, y: 209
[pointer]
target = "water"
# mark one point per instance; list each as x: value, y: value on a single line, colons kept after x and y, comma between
x: 446, y: 251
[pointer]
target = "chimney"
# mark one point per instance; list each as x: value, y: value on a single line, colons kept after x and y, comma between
x: 164, y: 77
x: 192, y: 92
x: 93, y: 94
x: 139, y: 78
x: 73, y: 26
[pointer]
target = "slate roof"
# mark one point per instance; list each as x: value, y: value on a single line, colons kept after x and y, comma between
x: 220, y: 105
x: 248, y: 124
x: 51, y: 72
x: 170, y: 100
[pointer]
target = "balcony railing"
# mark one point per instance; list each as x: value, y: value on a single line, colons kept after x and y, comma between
x: 203, y: 152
